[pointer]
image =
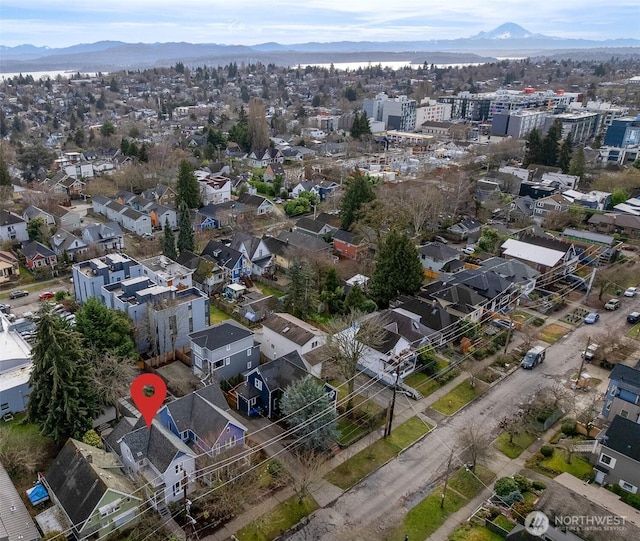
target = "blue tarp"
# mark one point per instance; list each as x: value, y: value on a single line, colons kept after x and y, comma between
x: 37, y: 494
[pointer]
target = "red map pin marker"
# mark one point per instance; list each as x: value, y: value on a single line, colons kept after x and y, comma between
x: 148, y: 405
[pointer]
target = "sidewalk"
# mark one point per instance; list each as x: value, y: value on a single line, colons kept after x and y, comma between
x: 325, y: 493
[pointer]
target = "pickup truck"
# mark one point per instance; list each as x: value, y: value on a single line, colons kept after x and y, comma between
x: 590, y: 352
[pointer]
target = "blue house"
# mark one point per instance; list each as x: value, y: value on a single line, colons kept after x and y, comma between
x: 205, y: 218
x: 232, y: 261
x: 264, y: 385
x: 623, y: 394
x: 203, y: 418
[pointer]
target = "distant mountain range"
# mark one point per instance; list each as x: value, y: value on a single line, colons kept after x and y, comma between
x: 508, y: 39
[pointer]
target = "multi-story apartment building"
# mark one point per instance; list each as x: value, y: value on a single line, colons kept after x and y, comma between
x: 396, y: 113
x: 517, y: 124
x: 89, y: 276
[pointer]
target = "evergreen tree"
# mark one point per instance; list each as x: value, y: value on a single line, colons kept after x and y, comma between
x: 309, y: 411
x: 357, y: 300
x: 576, y: 167
x: 169, y: 242
x: 533, y: 153
x: 105, y: 330
x: 187, y: 186
x: 566, y: 150
x: 398, y: 269
x: 360, y: 125
x: 332, y: 292
x: 358, y: 192
x: 550, y: 146
x: 62, y: 402
x: 186, y: 242
x: 38, y: 230
x: 300, y: 297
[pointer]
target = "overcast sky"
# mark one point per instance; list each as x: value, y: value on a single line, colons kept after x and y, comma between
x: 60, y: 23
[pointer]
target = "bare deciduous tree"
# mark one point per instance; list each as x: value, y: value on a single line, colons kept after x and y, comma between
x: 111, y: 377
x: 474, y: 441
x: 350, y: 337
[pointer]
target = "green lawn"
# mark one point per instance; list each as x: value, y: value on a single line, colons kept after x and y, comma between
x: 279, y: 520
x: 474, y: 532
x: 513, y: 450
x: 421, y: 382
x: 350, y: 431
x: 216, y: 315
x: 552, y: 333
x: 557, y: 464
x: 456, y: 398
x: 504, y: 522
x: 268, y: 290
x: 426, y: 517
x: 361, y: 464
x: 471, y: 483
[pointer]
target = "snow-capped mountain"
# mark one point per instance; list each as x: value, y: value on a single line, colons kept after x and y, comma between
x: 507, y: 31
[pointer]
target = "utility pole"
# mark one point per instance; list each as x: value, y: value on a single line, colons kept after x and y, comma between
x: 590, y: 284
x: 506, y: 344
x: 387, y: 430
x: 584, y: 356
x: 446, y: 479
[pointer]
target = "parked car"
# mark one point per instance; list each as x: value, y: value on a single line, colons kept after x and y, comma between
x: 5, y: 308
x: 631, y: 292
x: 18, y: 293
x: 46, y: 295
x: 612, y: 304
x: 469, y: 250
x: 503, y: 324
x: 592, y: 317
x: 438, y: 238
x: 633, y: 318
x: 534, y: 357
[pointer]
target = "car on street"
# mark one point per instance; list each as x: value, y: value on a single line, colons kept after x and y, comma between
x: 46, y: 295
x: 592, y: 317
x: 534, y: 357
x: 504, y: 324
x: 18, y: 293
x: 438, y: 238
x: 589, y: 353
x: 631, y: 292
x: 612, y: 304
x: 633, y: 318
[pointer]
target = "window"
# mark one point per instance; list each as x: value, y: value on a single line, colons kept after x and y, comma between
x: 628, y: 486
x: 608, y: 406
x: 218, y: 364
x: 178, y: 468
x: 614, y: 388
x: 228, y: 347
x: 249, y: 365
x: 252, y: 401
x: 608, y: 460
x: 257, y: 384
x: 177, y: 488
x: 624, y: 413
x: 314, y: 344
x: 227, y: 361
x: 248, y: 353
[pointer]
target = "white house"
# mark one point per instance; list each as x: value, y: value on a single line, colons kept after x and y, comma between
x: 12, y: 227
x: 284, y: 333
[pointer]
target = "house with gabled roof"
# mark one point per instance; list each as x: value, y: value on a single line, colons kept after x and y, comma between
x: 216, y: 189
x: 232, y: 261
x: 203, y: 419
x: 274, y: 170
x: 551, y: 257
x: 610, y: 222
x: 207, y: 274
x: 163, y: 460
x: 13, y: 228
x: 253, y: 250
x: 434, y: 257
x: 551, y: 204
x: 464, y: 229
x: 223, y: 351
x: 284, y: 333
x: 513, y: 270
x: 496, y: 290
x: 265, y: 385
x: 90, y: 488
x: 314, y: 228
x: 349, y: 245
x: 265, y: 156
x: 261, y: 205
x: 617, y: 457
x: 39, y: 257
x: 63, y: 241
x: 161, y: 194
x: 107, y: 237
x: 430, y: 314
x: 32, y: 212
x: 9, y: 267
x: 623, y: 393
x: 305, y: 243
x: 64, y: 185
x: 459, y: 300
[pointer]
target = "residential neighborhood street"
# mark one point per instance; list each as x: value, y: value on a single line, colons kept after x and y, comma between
x: 383, y: 498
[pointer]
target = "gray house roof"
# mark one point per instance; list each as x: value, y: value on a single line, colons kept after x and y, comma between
x: 304, y: 242
x: 283, y: 371
x: 220, y: 335
x: 15, y: 522
x: 79, y: 484
x: 437, y: 251
x: 9, y: 218
x: 627, y: 377
x: 158, y: 444
x: 623, y: 435
x: 287, y: 328
x: 34, y: 248
x: 511, y: 269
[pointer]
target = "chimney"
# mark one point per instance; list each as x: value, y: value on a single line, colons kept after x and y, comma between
x: 89, y: 458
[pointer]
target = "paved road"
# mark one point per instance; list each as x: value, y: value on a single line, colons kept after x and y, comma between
x: 383, y: 498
